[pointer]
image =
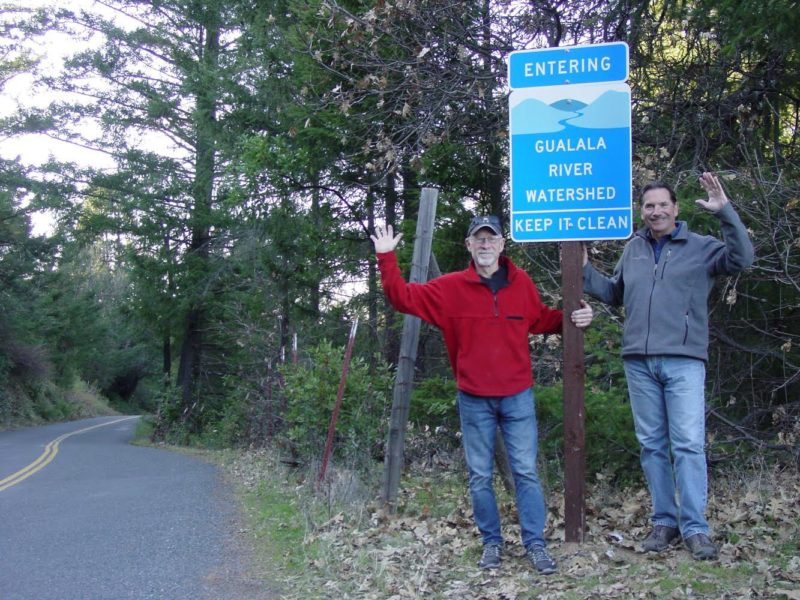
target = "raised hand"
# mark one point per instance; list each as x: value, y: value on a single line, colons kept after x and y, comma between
x: 385, y: 240
x: 716, y: 195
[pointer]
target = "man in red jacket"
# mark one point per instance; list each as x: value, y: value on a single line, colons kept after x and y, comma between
x: 486, y: 313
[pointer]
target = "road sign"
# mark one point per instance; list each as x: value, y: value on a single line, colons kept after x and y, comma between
x: 568, y: 65
x: 571, y: 151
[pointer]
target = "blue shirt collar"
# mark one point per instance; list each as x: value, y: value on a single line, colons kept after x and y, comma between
x: 664, y: 238
x: 658, y: 244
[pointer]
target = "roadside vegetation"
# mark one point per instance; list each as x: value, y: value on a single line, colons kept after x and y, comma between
x: 337, y: 542
x: 206, y: 264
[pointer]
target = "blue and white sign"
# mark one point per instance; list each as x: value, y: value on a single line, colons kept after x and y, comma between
x: 568, y: 65
x: 571, y: 163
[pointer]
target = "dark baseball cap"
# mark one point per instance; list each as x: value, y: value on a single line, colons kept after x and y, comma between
x: 489, y: 221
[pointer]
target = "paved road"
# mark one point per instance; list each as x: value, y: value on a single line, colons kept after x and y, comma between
x: 94, y: 518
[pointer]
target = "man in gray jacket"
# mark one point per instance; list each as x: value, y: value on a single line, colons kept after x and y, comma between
x: 663, y: 280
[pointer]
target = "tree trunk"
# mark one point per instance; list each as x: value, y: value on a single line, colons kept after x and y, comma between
x: 188, y: 370
x: 315, y: 294
x: 202, y: 193
x: 391, y: 344
x: 372, y: 281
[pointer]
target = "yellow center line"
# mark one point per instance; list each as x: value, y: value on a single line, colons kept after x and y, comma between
x: 50, y: 451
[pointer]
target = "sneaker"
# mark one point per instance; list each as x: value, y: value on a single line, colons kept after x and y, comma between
x: 660, y: 538
x: 541, y: 560
x: 701, y: 547
x: 490, y: 559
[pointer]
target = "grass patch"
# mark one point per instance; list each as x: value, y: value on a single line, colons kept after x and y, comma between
x: 143, y: 434
x: 279, y: 526
x: 292, y: 525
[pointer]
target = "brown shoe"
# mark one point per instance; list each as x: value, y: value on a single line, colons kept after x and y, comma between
x: 701, y: 547
x: 660, y: 538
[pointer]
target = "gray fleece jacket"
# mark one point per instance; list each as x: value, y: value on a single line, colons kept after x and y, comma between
x: 666, y: 304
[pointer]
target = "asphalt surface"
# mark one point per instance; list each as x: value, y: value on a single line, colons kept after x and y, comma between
x: 104, y: 520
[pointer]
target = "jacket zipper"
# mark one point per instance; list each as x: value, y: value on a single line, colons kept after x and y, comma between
x: 652, y: 291
x: 666, y: 260
x: 650, y: 301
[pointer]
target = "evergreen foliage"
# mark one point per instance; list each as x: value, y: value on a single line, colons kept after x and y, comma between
x: 254, y: 144
x: 310, y: 390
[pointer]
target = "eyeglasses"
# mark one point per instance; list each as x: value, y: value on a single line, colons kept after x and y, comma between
x: 489, y: 239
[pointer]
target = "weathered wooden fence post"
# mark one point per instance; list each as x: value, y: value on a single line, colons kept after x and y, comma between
x: 401, y: 398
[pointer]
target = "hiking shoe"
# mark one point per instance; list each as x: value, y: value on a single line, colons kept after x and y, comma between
x: 660, y: 538
x: 701, y: 547
x: 541, y: 560
x: 490, y: 559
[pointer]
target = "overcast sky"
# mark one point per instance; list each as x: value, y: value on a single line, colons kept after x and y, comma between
x: 18, y: 92
x: 36, y: 149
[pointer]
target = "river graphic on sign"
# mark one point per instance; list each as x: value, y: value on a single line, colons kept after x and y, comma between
x: 571, y: 163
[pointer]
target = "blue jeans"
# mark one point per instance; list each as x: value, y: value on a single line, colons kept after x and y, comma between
x: 668, y: 403
x: 480, y: 417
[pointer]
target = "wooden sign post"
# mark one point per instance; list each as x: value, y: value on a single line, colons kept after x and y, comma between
x: 404, y: 380
x: 574, y: 413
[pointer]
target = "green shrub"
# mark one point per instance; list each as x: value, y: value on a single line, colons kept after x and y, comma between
x: 433, y: 404
x: 168, y: 423
x: 310, y: 392
x: 50, y: 403
x: 229, y: 424
x: 611, y: 445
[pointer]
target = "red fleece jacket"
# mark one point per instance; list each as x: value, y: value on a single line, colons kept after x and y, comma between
x: 486, y: 334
